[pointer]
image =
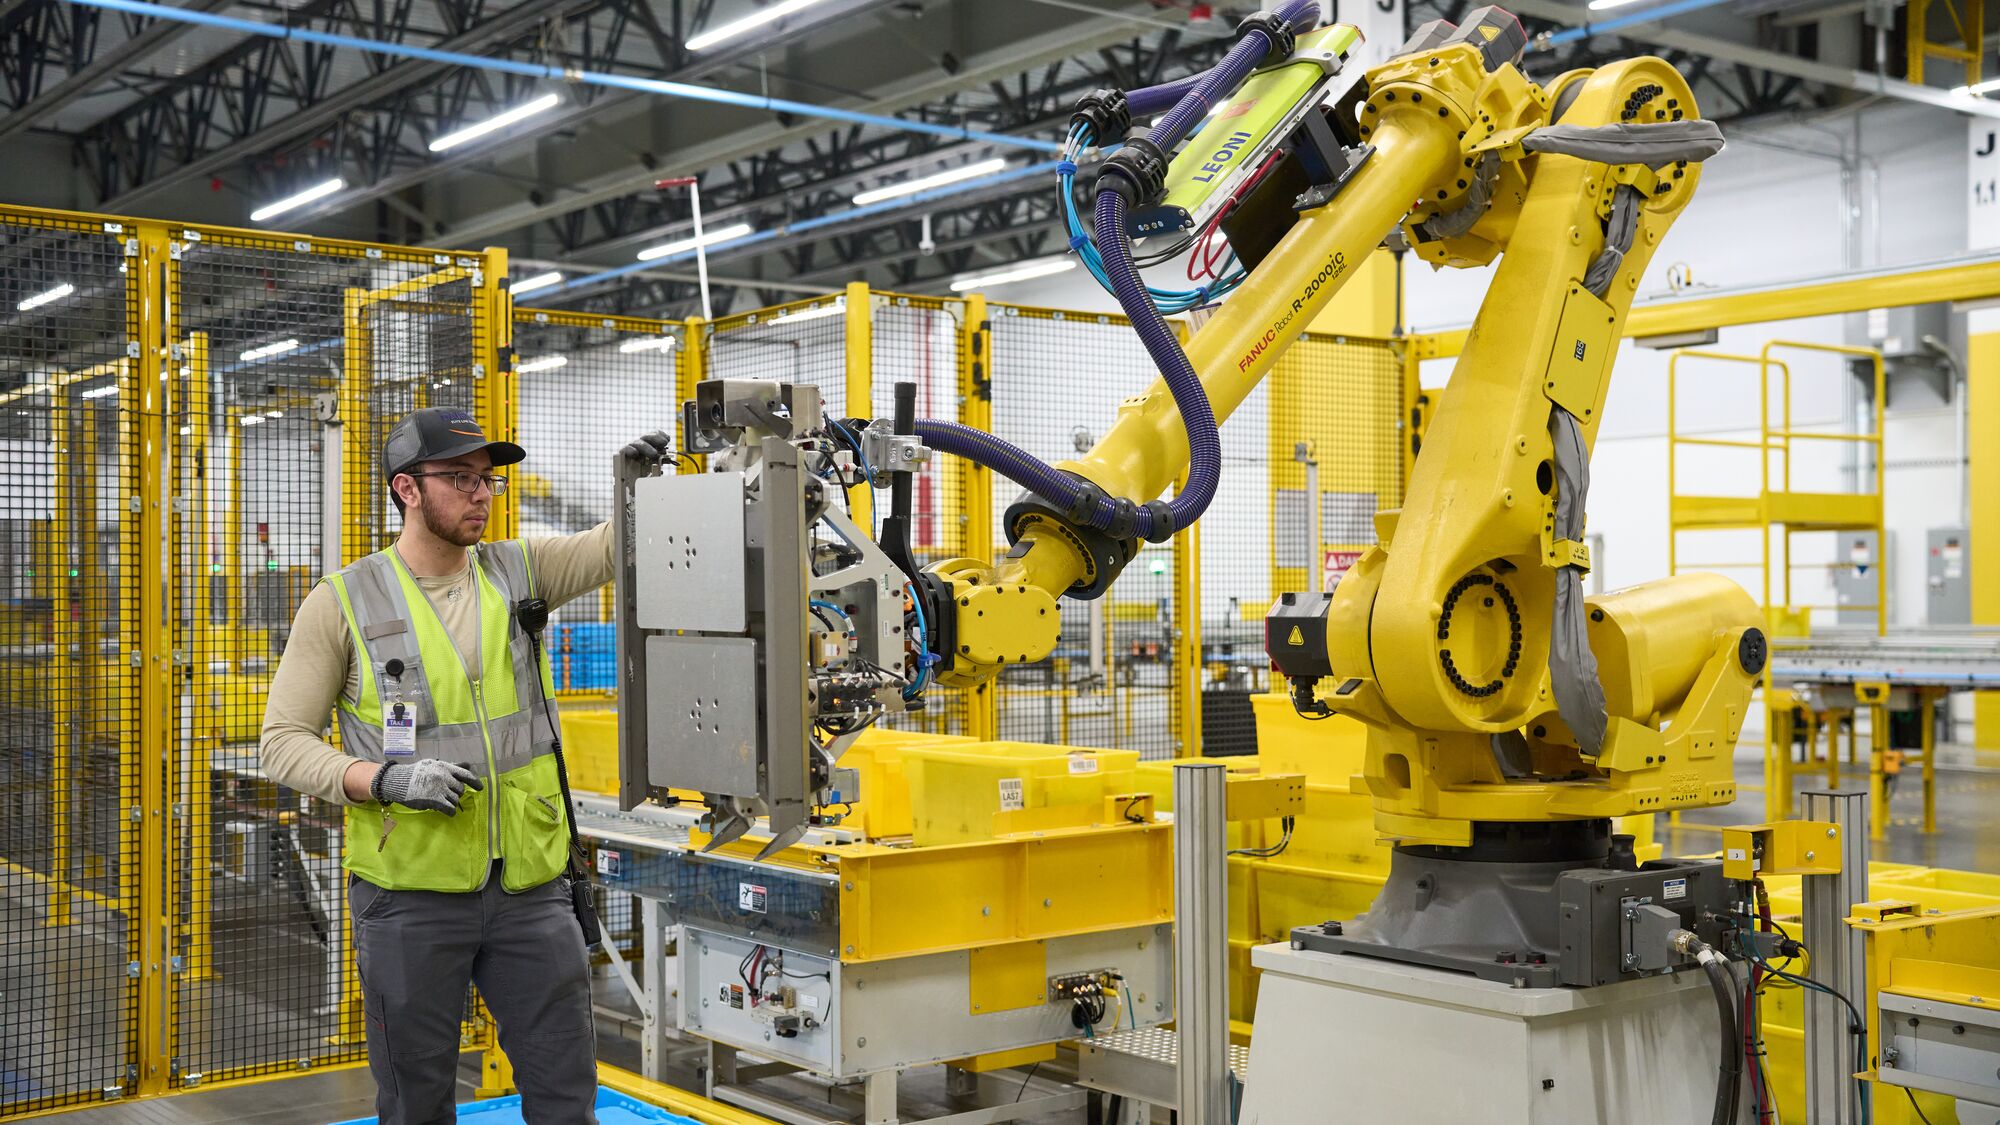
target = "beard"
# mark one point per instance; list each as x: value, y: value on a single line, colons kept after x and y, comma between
x: 458, y: 534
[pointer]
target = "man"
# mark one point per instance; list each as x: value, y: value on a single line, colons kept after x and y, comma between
x: 456, y: 840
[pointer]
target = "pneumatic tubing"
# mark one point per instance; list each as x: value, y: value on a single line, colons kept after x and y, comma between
x: 1197, y: 414
x: 1303, y: 15
x: 1222, y: 80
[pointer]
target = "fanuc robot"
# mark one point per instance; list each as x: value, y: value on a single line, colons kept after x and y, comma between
x: 1509, y: 717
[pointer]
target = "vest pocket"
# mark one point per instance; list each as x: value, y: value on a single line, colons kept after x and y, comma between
x: 409, y: 849
x: 534, y: 837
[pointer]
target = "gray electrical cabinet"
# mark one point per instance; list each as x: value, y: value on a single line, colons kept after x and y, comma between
x: 1948, y: 577
x: 1856, y: 555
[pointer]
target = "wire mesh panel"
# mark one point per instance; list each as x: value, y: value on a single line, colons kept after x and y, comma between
x: 275, y: 340
x: 921, y: 340
x: 410, y: 328
x: 797, y: 343
x: 1325, y: 430
x: 1058, y: 378
x: 1235, y: 538
x: 586, y: 386
x: 69, y: 699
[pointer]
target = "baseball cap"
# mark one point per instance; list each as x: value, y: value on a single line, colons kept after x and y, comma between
x: 440, y: 433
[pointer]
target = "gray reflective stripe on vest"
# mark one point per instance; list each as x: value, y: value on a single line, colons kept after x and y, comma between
x: 456, y: 742
x: 506, y: 563
x: 377, y: 599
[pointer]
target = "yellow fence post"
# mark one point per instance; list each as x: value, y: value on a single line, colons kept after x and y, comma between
x: 192, y: 569
x: 497, y: 397
x: 975, y: 396
x: 358, y: 500
x: 142, y: 411
x: 861, y: 383
x: 1187, y: 638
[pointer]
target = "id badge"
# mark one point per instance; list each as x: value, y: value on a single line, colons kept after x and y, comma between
x: 399, y: 730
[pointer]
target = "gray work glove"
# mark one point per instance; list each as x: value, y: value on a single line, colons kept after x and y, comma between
x: 649, y: 450
x: 431, y: 784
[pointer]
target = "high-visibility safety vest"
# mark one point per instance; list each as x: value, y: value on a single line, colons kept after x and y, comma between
x: 496, y: 723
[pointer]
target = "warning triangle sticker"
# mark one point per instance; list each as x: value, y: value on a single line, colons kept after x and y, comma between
x: 1489, y: 33
x: 1297, y: 637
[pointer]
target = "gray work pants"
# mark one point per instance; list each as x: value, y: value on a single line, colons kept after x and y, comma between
x: 415, y: 951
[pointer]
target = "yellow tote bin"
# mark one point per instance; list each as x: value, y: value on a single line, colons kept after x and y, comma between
x: 956, y: 791
x: 883, y: 808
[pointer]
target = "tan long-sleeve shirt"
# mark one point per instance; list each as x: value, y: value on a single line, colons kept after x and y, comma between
x: 320, y: 664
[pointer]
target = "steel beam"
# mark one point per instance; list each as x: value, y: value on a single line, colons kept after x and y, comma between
x: 708, y: 63
x: 106, y: 63
x: 1724, y: 50
x: 514, y: 21
x: 919, y: 90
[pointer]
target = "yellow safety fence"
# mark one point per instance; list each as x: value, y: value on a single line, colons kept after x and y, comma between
x: 189, y: 425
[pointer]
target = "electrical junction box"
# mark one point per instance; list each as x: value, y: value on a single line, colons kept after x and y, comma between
x: 1856, y: 555
x: 1948, y: 577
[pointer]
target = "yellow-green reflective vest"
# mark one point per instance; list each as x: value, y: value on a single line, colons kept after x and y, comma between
x: 496, y: 723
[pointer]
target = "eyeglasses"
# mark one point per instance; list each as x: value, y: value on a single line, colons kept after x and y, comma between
x: 470, y: 482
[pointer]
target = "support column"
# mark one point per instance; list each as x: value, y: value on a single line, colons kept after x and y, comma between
x: 1201, y: 942
x: 1982, y: 380
x: 1838, y: 957
x: 1878, y: 773
x: 659, y: 1014
x: 878, y: 1095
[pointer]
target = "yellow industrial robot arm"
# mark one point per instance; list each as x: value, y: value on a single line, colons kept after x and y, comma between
x: 1463, y: 639
x: 1425, y: 111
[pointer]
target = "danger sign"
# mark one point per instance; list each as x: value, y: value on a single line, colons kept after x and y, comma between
x: 1336, y: 564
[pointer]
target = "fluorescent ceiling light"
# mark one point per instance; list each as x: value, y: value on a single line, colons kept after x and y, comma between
x: 1600, y: 5
x: 498, y: 121
x: 1981, y: 88
x: 1020, y: 273
x: 274, y: 414
x: 530, y: 284
x: 43, y: 298
x: 750, y: 22
x: 317, y: 191
x: 100, y: 392
x: 251, y: 420
x: 265, y: 351
x: 911, y: 187
x: 814, y: 313
x: 546, y: 363
x: 724, y: 234
x: 649, y: 344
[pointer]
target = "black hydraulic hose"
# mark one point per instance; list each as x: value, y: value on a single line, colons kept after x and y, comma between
x: 895, y: 535
x: 1729, y: 1081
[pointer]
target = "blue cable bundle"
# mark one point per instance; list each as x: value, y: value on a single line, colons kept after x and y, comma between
x: 1168, y: 301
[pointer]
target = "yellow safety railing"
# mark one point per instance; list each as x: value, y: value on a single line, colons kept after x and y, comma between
x: 1775, y: 504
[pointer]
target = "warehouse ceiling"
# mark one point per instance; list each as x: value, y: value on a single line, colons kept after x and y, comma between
x: 104, y: 111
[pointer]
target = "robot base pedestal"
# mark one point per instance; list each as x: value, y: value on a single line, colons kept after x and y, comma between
x: 1386, y: 1041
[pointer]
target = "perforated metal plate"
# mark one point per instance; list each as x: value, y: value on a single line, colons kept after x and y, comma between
x: 702, y: 726
x: 691, y: 572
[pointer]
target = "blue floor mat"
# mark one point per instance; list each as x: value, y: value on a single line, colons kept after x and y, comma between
x: 613, y: 1108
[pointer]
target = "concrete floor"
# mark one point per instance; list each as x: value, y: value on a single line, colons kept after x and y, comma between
x: 1968, y: 789
x: 1968, y: 839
